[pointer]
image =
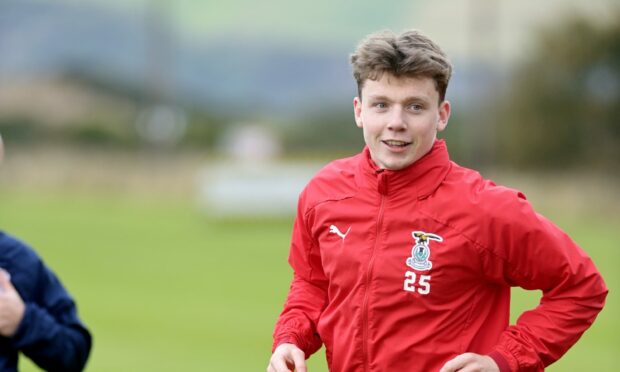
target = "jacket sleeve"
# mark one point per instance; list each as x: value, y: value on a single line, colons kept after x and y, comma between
x: 527, y: 250
x: 307, y: 295
x: 50, y: 333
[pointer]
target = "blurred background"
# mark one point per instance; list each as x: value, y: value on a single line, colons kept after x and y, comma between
x: 154, y: 150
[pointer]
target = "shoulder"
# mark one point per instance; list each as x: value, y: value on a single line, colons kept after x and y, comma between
x: 24, y: 264
x: 335, y: 181
x: 14, y: 253
x: 475, y: 191
x: 478, y: 207
x: 340, y: 170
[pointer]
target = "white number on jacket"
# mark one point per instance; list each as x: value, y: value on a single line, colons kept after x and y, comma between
x: 424, y: 285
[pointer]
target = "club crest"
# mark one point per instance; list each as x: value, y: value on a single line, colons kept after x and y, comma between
x: 421, y: 252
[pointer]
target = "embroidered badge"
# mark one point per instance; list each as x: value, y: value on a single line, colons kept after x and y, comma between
x: 421, y: 252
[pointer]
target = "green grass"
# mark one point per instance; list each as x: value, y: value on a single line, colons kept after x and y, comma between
x: 163, y: 287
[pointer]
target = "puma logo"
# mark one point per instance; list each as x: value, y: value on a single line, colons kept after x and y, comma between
x: 334, y: 230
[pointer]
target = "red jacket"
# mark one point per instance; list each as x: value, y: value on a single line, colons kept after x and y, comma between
x: 404, y: 270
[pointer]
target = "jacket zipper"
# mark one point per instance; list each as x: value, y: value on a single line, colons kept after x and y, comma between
x: 367, y: 290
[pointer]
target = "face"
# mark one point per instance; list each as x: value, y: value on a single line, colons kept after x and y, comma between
x: 400, y: 118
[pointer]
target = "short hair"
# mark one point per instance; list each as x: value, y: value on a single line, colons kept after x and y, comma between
x: 408, y: 54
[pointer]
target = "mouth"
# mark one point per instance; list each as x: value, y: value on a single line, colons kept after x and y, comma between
x: 395, y: 143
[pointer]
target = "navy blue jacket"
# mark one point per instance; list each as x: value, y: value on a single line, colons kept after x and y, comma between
x: 50, y: 333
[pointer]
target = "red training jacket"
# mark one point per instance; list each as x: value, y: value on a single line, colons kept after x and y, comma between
x: 404, y: 270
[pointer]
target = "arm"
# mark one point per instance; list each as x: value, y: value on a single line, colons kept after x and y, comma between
x: 50, y: 333
x: 297, y: 322
x: 531, y: 252
x: 307, y: 295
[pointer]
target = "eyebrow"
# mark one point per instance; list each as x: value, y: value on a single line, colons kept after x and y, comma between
x: 421, y: 99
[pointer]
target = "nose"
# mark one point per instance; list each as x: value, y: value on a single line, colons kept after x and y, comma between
x: 396, y: 121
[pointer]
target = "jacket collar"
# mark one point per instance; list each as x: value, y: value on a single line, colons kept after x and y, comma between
x: 423, y: 177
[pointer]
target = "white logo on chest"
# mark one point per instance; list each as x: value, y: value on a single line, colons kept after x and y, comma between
x: 334, y: 230
x: 420, y: 253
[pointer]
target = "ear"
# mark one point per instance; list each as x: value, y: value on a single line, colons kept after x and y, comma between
x: 357, y: 111
x: 444, y: 115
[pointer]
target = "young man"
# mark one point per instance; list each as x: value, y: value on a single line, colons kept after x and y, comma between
x: 403, y: 260
x: 37, y: 316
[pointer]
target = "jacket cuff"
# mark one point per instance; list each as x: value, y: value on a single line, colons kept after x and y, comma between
x: 501, y: 362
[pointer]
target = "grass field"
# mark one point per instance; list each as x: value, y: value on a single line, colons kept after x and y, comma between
x: 163, y: 287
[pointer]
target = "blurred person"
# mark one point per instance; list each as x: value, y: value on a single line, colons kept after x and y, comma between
x: 403, y: 260
x: 38, y: 317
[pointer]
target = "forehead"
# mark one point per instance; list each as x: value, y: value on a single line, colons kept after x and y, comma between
x: 392, y: 86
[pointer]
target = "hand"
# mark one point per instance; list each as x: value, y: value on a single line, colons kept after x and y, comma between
x: 287, y: 358
x: 470, y: 362
x: 11, y: 306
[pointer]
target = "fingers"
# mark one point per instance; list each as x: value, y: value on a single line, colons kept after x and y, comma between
x: 287, y: 358
x: 277, y: 365
x: 299, y: 360
x: 455, y: 364
x: 470, y: 362
x: 12, y: 306
x: 281, y: 365
x: 5, y: 281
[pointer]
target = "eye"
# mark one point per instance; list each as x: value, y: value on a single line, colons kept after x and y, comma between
x: 380, y: 105
x: 416, y: 107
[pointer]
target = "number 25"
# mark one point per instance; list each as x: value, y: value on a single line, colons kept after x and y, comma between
x: 424, y: 285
